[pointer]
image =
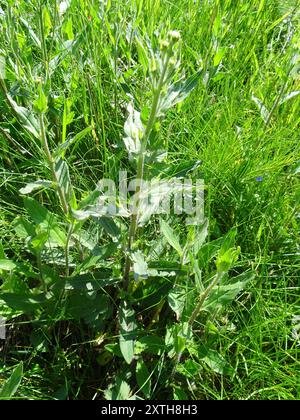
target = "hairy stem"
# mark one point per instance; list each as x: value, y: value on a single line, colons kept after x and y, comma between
x: 141, y: 161
x: 59, y: 190
x: 51, y: 163
x: 204, y: 295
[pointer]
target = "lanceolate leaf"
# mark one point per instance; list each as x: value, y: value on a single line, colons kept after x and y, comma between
x: 224, y: 294
x: 170, y: 236
x: 37, y: 185
x: 12, y: 383
x: 180, y: 91
x: 217, y: 363
x: 176, y: 299
x: 24, y: 302
x: 63, y: 177
x: 143, y: 378
x: 264, y: 112
x: 25, y: 117
x: 72, y: 141
x: 127, y: 331
x: 289, y: 96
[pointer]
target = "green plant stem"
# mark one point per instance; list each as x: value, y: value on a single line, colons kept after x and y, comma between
x: 51, y: 162
x: 70, y: 232
x: 141, y: 162
x: 60, y: 191
x: 198, y: 308
x: 43, y: 43
x: 204, y: 295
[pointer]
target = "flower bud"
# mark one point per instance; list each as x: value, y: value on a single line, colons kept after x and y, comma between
x: 153, y: 67
x: 174, y: 36
x: 164, y: 45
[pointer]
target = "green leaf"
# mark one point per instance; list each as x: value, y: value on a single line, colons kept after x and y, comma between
x: 7, y: 265
x: 134, y: 130
x: 143, y: 58
x: 190, y: 368
x: 180, y: 91
x: 118, y: 391
x: 47, y: 25
x: 219, y: 55
x: 31, y: 32
x: 208, y: 251
x: 127, y: 331
x: 68, y: 29
x: 88, y: 282
x: 170, y: 236
x: 227, y: 259
x: 38, y: 213
x: 109, y: 226
x: 179, y: 394
x: 37, y: 185
x: 47, y: 220
x: 61, y: 150
x: 289, y: 96
x: 23, y: 228
x: 24, y: 302
x: 217, y: 363
x: 143, y: 378
x: 150, y: 344
x: 264, y: 112
x: 94, y: 310
x: 223, y: 295
x: 177, y: 299
x: 228, y: 241
x: 40, y: 105
x: 11, y: 385
x: 177, y: 337
x: 25, y: 117
x: 140, y: 267
x: 114, y: 348
x: 200, y: 237
x: 63, y: 178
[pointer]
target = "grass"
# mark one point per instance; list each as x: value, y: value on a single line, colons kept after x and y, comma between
x: 88, y: 59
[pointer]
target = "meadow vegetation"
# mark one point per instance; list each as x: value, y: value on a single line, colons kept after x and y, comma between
x: 115, y: 307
